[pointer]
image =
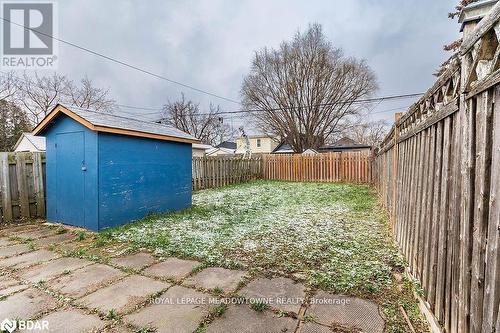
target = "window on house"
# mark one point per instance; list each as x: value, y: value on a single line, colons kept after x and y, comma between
x: 258, y: 143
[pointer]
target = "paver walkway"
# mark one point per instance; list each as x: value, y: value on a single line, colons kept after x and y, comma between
x: 138, y: 292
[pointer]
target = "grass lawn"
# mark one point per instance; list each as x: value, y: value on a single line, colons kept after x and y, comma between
x: 330, y: 236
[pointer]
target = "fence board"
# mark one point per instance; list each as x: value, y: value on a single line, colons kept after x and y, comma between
x: 443, y: 196
x: 211, y: 172
x: 329, y: 167
x: 21, y: 185
x: 492, y: 275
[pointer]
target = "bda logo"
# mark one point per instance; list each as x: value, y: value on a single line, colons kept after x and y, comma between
x: 8, y: 325
x: 28, y: 30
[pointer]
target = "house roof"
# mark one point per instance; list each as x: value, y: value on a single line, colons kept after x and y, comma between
x: 224, y: 150
x: 283, y: 148
x: 201, y: 146
x: 110, y: 123
x: 343, y: 144
x: 227, y: 144
x: 37, y: 141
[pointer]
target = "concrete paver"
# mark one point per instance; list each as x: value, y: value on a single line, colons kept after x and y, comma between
x: 12, y: 289
x: 279, y: 293
x: 124, y: 294
x: 136, y: 261
x: 314, y: 328
x: 55, y: 239
x: 71, y: 321
x: 53, y: 268
x: 242, y: 319
x: 36, y: 233
x: 26, y: 304
x: 85, y: 280
x: 10, y: 231
x: 6, y: 282
x: 5, y: 242
x: 216, y: 277
x: 353, y: 312
x: 28, y: 259
x: 172, y: 268
x: 14, y: 250
x: 179, y: 310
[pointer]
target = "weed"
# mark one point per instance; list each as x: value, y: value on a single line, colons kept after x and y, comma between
x: 80, y: 236
x: 112, y: 315
x: 219, y: 310
x: 259, y: 306
x: 217, y: 291
x: 61, y: 230
x: 308, y: 318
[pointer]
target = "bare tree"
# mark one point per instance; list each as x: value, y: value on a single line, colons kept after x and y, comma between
x: 185, y: 115
x: 368, y: 132
x: 8, y: 86
x: 89, y: 97
x: 306, y: 89
x: 39, y: 94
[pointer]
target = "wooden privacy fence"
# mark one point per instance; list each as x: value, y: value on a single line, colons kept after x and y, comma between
x: 330, y: 167
x: 22, y: 179
x: 219, y: 171
x: 438, y: 173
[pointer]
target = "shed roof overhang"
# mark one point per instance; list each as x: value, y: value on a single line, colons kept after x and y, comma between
x: 60, y: 109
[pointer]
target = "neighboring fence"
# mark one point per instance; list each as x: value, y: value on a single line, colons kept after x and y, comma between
x: 330, y: 167
x: 438, y: 173
x: 22, y: 178
x: 209, y: 172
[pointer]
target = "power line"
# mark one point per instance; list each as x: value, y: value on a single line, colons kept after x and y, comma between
x: 247, y: 111
x: 367, y: 100
x: 123, y: 63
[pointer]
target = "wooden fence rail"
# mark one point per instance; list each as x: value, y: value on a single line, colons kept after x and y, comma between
x: 352, y: 167
x: 22, y: 178
x: 209, y: 172
x: 437, y: 173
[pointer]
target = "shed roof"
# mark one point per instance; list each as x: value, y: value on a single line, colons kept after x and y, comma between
x: 110, y: 123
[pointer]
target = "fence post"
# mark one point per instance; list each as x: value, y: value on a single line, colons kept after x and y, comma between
x: 38, y: 184
x: 395, y: 158
x: 5, y: 187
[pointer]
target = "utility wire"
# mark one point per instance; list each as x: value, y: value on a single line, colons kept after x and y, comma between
x: 245, y: 112
x: 123, y: 63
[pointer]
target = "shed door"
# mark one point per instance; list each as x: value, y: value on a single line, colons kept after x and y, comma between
x: 70, y: 178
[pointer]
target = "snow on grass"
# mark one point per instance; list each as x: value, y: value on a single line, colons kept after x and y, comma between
x: 333, y: 233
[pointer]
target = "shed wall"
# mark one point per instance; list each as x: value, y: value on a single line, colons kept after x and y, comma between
x: 55, y: 169
x: 138, y: 176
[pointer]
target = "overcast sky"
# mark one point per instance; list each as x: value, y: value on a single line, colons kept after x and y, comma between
x: 209, y: 44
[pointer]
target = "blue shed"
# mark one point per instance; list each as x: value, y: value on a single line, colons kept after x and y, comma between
x: 105, y: 170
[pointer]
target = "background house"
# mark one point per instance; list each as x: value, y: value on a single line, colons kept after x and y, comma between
x: 200, y: 149
x: 220, y: 151
x: 259, y: 144
x: 29, y: 142
x: 344, y: 144
x: 227, y: 144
